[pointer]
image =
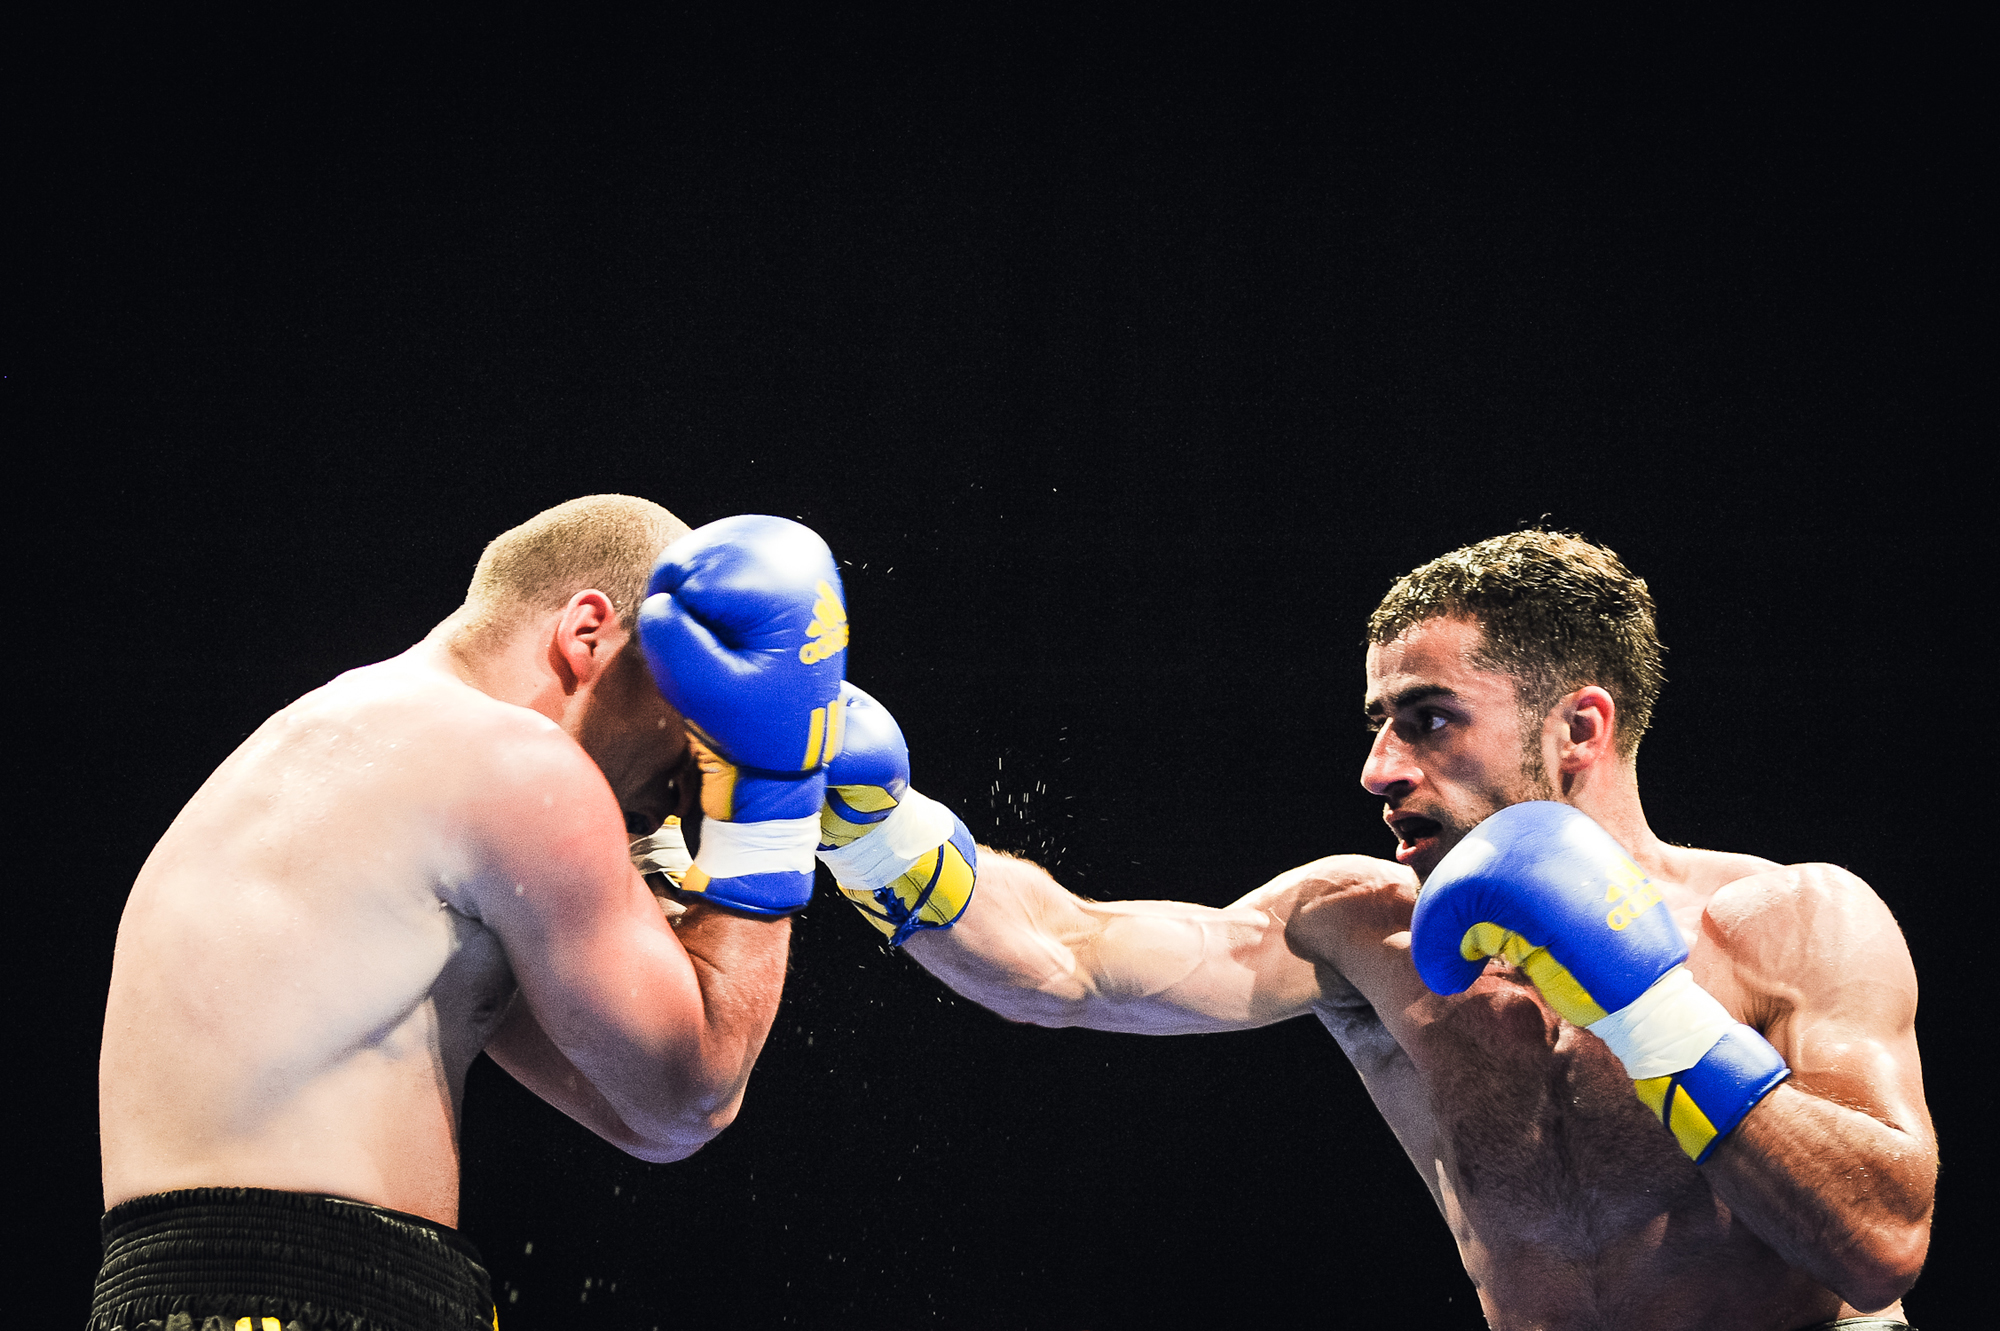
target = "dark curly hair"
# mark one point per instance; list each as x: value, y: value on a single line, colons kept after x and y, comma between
x: 1555, y: 612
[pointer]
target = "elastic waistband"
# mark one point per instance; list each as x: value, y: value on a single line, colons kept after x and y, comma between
x: 253, y: 1252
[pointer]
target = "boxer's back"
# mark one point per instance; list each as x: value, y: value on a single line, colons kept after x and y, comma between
x: 301, y: 980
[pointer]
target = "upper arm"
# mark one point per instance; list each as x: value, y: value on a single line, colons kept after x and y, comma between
x: 1811, y: 957
x: 1032, y: 951
x: 529, y: 1056
x: 600, y: 972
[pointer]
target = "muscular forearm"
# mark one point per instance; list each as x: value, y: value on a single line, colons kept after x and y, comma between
x: 1000, y: 953
x: 1031, y: 951
x: 1837, y: 1193
x: 667, y: 1104
x: 739, y: 966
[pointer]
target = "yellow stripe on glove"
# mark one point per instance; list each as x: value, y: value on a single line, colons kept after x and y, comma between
x: 1571, y: 1001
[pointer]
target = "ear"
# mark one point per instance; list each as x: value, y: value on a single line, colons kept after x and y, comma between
x: 1584, y: 723
x: 587, y: 636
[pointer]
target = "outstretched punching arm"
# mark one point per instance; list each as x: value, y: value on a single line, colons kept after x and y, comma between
x: 1031, y: 951
x: 1000, y: 931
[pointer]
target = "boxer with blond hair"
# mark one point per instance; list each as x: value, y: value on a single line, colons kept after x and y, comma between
x: 428, y: 857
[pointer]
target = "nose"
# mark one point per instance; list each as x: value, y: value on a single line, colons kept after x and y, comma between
x: 1390, y: 769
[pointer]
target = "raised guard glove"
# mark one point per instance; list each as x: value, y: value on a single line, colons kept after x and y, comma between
x: 905, y: 861
x: 746, y: 634
x: 1543, y: 886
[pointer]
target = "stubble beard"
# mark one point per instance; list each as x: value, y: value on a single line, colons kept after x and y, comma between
x: 1534, y: 775
x: 1531, y: 782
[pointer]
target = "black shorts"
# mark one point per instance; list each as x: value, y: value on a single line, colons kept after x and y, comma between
x: 175, y: 1260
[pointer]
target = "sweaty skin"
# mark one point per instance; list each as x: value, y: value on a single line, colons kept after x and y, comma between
x: 412, y: 863
x: 1571, y: 1205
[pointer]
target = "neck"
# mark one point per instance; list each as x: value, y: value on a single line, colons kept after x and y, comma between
x: 1609, y: 793
x: 515, y: 665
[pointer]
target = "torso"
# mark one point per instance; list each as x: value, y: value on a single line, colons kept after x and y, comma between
x: 301, y: 979
x: 1570, y: 1205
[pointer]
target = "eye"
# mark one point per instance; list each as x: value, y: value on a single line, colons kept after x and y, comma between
x: 1419, y: 722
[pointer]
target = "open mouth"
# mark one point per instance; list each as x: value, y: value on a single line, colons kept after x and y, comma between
x: 1413, y: 834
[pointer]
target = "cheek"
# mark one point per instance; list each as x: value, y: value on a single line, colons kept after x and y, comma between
x: 1471, y: 778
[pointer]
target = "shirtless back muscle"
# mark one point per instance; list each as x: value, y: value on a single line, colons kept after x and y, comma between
x: 422, y: 859
x: 304, y: 971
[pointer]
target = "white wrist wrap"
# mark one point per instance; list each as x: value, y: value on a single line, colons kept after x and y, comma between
x: 665, y: 851
x: 1666, y: 1029
x: 914, y: 828
x: 782, y: 845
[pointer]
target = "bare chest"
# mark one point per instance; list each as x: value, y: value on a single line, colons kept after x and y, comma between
x: 1537, y: 1134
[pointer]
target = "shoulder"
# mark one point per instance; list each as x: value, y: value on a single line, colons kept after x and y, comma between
x: 1747, y: 900
x: 1806, y: 936
x: 497, y: 770
x: 537, y: 783
x: 1336, y: 905
x: 1795, y: 901
x: 1334, y: 877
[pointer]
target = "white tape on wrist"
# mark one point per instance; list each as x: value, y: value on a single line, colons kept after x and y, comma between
x: 782, y: 845
x: 1666, y: 1029
x: 917, y: 826
x: 665, y: 851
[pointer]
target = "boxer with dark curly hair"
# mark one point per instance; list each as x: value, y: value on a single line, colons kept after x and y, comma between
x: 1735, y: 1136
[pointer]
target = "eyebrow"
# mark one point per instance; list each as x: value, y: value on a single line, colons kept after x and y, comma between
x: 1402, y: 698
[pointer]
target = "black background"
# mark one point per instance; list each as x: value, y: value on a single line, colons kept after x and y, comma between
x: 1123, y: 359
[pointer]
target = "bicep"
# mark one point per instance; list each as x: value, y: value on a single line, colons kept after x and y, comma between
x: 526, y: 1053
x: 603, y: 976
x: 1820, y: 966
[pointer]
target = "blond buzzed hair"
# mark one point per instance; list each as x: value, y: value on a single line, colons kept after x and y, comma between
x: 602, y: 542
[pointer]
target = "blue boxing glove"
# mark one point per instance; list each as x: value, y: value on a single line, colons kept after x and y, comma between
x: 905, y: 861
x: 1545, y: 887
x: 746, y: 634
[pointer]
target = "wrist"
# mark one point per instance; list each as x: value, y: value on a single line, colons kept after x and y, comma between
x: 661, y: 857
x: 914, y: 870
x: 1666, y: 1028
x: 762, y: 868
x: 1698, y: 1069
x: 889, y: 849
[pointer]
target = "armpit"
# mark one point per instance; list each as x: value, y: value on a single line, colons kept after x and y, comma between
x: 1361, y: 1034
x: 1338, y: 994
